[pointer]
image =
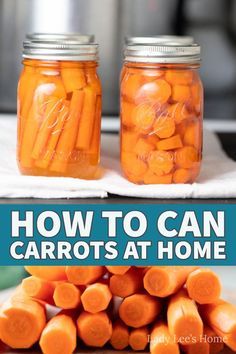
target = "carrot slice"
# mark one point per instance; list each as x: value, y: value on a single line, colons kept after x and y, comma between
x: 127, y: 109
x: 21, y: 322
x: 157, y: 90
x: 172, y: 143
x: 164, y: 126
x: 186, y: 157
x: 221, y: 317
x: 165, y: 281
x: 180, y: 77
x: 179, y: 112
x: 132, y: 165
x: 66, y: 296
x: 53, y: 106
x: 59, y: 336
x: 126, y: 284
x: 138, y: 338
x: 87, y: 119
x: 120, y: 336
x: 162, y: 341
x: 118, y: 269
x: 130, y: 86
x: 152, y: 178
x: 143, y: 147
x: 143, y: 117
x: 68, y: 136
x: 161, y: 162
x: 183, y: 318
x: 38, y: 288
x: 181, y: 93
x: 51, y: 273
x: 181, y: 175
x: 193, y: 134
x: 73, y: 78
x: 96, y: 298
x: 139, y: 310
x: 84, y: 275
x: 94, y: 329
x: 203, y: 286
x: 128, y: 140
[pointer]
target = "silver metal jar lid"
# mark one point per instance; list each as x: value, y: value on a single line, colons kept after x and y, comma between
x: 162, y: 49
x: 174, y: 40
x: 72, y: 47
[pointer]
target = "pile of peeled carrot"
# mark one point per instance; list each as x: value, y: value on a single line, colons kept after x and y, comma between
x: 59, y: 109
x: 164, y: 310
x: 161, y: 115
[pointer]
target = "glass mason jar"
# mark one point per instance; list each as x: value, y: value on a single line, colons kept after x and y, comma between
x: 59, y: 107
x: 161, y: 111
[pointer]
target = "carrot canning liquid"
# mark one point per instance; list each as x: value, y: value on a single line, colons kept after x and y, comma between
x: 161, y: 122
x: 59, y: 118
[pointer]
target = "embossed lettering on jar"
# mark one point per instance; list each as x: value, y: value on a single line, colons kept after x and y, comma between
x: 59, y: 107
x: 161, y: 113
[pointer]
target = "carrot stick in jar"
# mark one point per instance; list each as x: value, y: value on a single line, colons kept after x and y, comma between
x: 95, y: 141
x: 73, y: 77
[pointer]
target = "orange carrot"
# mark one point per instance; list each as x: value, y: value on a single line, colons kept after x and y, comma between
x: 59, y: 336
x: 221, y: 317
x: 216, y: 342
x: 96, y: 297
x: 181, y: 175
x: 164, y: 127
x: 203, y: 286
x: 50, y: 273
x: 21, y: 322
x: 165, y: 281
x: 84, y: 275
x: 138, y: 338
x: 73, y: 78
x: 120, y: 336
x: 38, y: 288
x: 171, y: 143
x: 180, y: 93
x: 187, y: 157
x: 202, y: 347
x: 87, y: 119
x: 66, y: 296
x: 95, y: 142
x: 139, y: 310
x: 162, y: 341
x: 94, y: 329
x: 68, y: 136
x: 126, y: 284
x: 183, y: 318
x: 118, y: 269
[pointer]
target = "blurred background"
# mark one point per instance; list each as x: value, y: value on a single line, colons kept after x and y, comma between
x: 211, y: 22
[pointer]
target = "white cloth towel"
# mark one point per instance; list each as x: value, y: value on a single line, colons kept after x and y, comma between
x: 217, y: 178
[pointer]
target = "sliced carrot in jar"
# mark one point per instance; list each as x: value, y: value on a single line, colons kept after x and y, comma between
x: 127, y: 109
x: 178, y: 111
x: 179, y: 77
x: 143, y: 117
x: 161, y: 162
x: 164, y: 127
x: 174, y: 142
x: 181, y: 175
x: 196, y: 93
x: 152, y: 139
x: 130, y: 86
x: 192, y: 135
x: 143, y: 148
x: 133, y: 165
x: 158, y: 90
x: 180, y: 93
x: 152, y: 178
x: 128, y: 140
x: 186, y: 157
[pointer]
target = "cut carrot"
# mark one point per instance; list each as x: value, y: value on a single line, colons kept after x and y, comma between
x: 51, y: 273
x: 59, y: 336
x: 216, y: 342
x: 73, y: 78
x: 38, y: 288
x: 132, y: 165
x: 87, y: 119
x: 128, y: 140
x: 118, y: 269
x: 53, y: 106
x: 55, y: 135
x: 157, y: 90
x: 202, y: 347
x: 180, y: 77
x: 170, y: 144
x: 138, y: 338
x: 166, y: 280
x: 120, y: 336
x: 197, y: 93
x: 95, y: 143
x: 181, y: 175
x: 143, y: 117
x: 152, y: 139
x: 183, y: 318
x: 94, y: 329
x: 180, y: 93
x: 164, y: 126
x: 96, y: 297
x: 203, y: 286
x: 221, y: 317
x: 84, y: 275
x: 179, y: 112
x: 130, y: 86
x: 152, y: 178
x: 139, y: 310
x: 127, y: 109
x: 126, y: 284
x: 161, y: 162
x: 186, y: 157
x: 66, y: 296
x: 162, y: 341
x: 142, y: 148
x: 192, y: 135
x: 68, y: 136
x: 21, y: 322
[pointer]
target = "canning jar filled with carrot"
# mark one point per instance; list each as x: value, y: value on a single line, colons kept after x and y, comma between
x: 59, y: 107
x: 161, y: 111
